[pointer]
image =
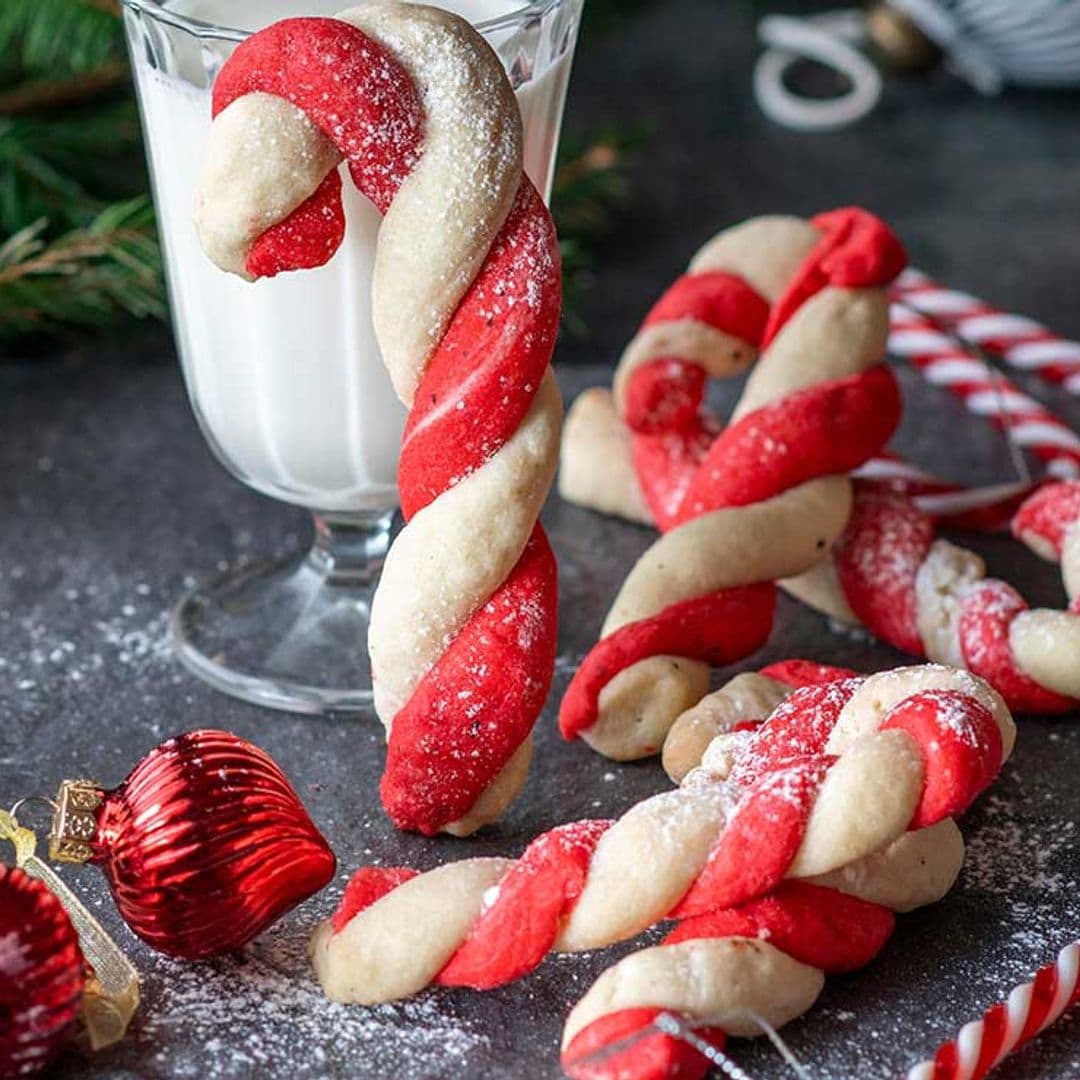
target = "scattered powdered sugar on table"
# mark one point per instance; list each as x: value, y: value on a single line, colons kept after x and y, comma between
x: 246, y: 1015
x: 1003, y: 852
x: 133, y: 635
x: 1005, y: 860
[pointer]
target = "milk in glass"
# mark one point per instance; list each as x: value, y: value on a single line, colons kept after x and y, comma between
x: 284, y: 374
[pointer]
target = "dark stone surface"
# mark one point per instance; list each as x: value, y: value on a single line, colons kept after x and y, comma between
x: 111, y: 500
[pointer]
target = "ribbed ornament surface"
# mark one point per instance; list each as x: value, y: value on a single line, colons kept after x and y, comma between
x: 206, y: 843
x: 41, y: 974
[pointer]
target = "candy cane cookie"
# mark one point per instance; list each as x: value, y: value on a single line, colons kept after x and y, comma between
x: 764, y: 499
x: 886, y: 570
x: 932, y: 598
x: 835, y: 775
x: 466, y: 299
x: 742, y: 703
x: 725, y: 970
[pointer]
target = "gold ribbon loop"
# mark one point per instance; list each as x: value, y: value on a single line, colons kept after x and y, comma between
x: 111, y: 994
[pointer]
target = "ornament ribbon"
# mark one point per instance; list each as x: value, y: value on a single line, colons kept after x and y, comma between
x: 112, y: 988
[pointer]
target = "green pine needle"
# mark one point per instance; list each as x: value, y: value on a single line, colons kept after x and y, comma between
x: 591, y: 188
x: 84, y: 278
x: 79, y: 254
x: 53, y: 167
x: 57, y: 37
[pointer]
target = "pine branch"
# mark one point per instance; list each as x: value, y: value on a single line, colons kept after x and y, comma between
x: 55, y: 168
x: 49, y: 93
x: 590, y: 189
x: 52, y: 38
x: 84, y: 278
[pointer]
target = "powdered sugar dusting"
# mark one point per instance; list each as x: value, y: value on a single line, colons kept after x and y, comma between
x: 243, y: 1016
x: 953, y: 712
x: 1003, y: 852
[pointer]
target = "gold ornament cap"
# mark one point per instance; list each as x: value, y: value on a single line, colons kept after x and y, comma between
x: 74, y: 823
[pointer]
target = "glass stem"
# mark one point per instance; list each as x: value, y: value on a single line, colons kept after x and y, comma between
x: 350, y: 549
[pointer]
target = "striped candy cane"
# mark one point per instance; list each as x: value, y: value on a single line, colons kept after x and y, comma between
x: 944, y: 361
x: 1028, y: 1010
x: 1021, y: 342
x: 982, y: 508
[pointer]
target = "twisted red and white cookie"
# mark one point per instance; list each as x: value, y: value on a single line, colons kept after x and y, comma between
x: 762, y: 500
x: 838, y: 773
x: 1045, y: 643
x: 761, y: 962
x: 882, y: 567
x: 932, y: 598
x: 742, y: 703
x: 724, y: 973
x: 465, y: 301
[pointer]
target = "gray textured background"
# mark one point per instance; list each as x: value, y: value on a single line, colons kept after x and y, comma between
x: 111, y: 501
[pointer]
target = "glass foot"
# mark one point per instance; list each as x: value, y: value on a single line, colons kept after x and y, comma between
x: 292, y: 633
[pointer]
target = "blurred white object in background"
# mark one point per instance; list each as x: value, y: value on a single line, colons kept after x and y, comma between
x: 831, y: 39
x: 995, y: 42
x: 989, y: 43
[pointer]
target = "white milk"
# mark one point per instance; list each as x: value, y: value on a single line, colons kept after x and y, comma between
x: 285, y: 374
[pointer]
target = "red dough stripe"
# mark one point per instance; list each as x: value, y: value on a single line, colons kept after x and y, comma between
x: 368, y: 884
x: 878, y: 558
x: 961, y: 748
x: 1049, y: 513
x: 664, y: 396
x: 987, y: 612
x: 475, y: 707
x: 723, y: 301
x: 621, y: 1046
x: 480, y: 383
x: 856, y: 250
x: 826, y: 429
x: 803, y: 722
x: 307, y: 238
x: 805, y: 672
x: 770, y: 821
x: 718, y: 628
x: 666, y: 464
x: 546, y: 882
x: 816, y: 925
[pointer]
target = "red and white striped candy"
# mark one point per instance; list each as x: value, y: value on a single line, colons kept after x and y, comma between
x: 982, y: 508
x: 1021, y: 342
x: 943, y: 361
x: 1029, y: 1010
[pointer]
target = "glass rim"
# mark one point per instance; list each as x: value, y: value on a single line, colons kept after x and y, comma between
x: 199, y: 28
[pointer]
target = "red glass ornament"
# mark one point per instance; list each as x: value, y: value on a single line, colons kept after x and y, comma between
x: 41, y: 974
x: 205, y: 844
